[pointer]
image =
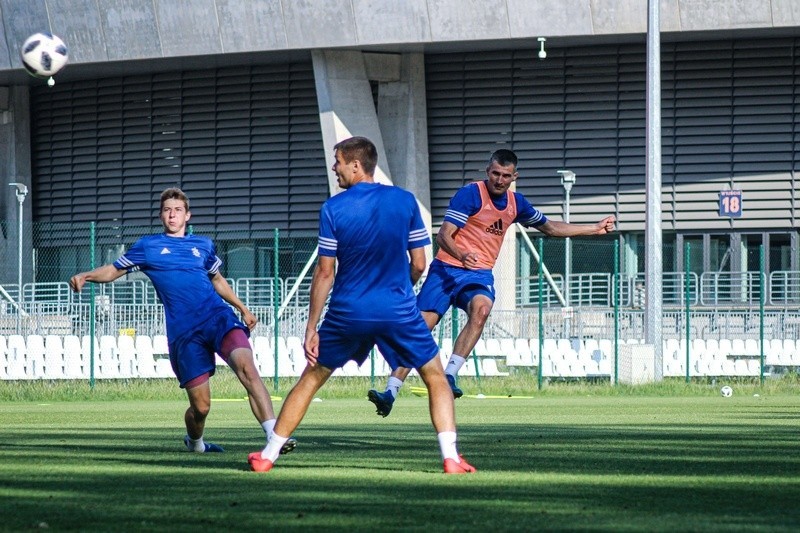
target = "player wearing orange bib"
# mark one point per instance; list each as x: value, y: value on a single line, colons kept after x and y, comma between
x: 469, y: 242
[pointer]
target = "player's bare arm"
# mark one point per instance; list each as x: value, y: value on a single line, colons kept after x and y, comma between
x: 321, y: 284
x: 447, y: 243
x: 225, y: 291
x: 104, y: 274
x: 554, y: 228
x: 418, y: 263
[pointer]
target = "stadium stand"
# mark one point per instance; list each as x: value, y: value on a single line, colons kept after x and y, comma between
x: 125, y: 356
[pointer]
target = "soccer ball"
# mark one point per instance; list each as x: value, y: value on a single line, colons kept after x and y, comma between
x: 43, y: 54
x: 726, y: 391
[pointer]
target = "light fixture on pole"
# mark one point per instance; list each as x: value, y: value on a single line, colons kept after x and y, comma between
x: 22, y: 192
x: 567, y: 180
x: 542, y: 53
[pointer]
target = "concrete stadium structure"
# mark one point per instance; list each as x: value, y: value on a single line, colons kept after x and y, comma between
x: 240, y: 101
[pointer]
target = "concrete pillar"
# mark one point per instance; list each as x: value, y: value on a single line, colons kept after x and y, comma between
x: 398, y: 127
x: 402, y: 117
x: 346, y: 108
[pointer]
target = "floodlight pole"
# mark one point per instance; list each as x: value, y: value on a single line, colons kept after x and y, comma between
x: 653, y: 237
x: 22, y: 192
x: 567, y: 180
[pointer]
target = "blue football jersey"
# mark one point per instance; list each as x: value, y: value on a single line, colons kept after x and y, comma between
x: 467, y: 201
x: 180, y: 269
x: 369, y: 229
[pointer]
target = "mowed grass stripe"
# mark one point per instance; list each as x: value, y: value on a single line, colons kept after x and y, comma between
x: 621, y: 463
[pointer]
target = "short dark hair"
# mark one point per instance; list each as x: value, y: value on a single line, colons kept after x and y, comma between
x: 174, y: 193
x: 361, y: 149
x: 504, y: 158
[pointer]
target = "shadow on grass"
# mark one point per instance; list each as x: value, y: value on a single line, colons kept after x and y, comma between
x: 355, y: 471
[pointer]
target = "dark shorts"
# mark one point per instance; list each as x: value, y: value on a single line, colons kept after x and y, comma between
x: 447, y: 285
x: 192, y: 354
x: 406, y: 342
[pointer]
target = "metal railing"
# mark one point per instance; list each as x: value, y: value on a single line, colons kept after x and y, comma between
x: 710, y: 289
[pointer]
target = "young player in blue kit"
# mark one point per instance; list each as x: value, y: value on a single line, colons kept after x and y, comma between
x: 370, y: 229
x: 469, y: 240
x: 184, y: 270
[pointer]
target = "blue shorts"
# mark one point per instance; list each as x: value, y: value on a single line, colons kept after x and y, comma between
x: 192, y: 354
x: 406, y: 342
x: 447, y: 285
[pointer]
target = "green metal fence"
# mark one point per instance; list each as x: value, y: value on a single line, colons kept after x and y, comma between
x: 553, y: 319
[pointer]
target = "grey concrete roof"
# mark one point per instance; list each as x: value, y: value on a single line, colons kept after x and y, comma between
x: 186, y: 33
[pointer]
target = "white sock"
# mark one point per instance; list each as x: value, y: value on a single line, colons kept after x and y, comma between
x: 197, y: 445
x: 269, y: 427
x: 393, y: 386
x: 447, y: 444
x: 273, y: 448
x: 454, y: 365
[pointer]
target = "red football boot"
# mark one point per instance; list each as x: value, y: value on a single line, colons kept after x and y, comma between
x: 451, y: 466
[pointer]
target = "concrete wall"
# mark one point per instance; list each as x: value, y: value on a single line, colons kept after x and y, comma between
x: 115, y: 30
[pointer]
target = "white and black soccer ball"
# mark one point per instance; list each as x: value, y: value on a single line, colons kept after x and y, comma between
x: 726, y: 391
x: 43, y: 54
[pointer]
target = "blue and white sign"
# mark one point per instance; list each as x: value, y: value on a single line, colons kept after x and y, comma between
x: 730, y: 203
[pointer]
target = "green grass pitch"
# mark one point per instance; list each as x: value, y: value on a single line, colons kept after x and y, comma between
x: 605, y: 462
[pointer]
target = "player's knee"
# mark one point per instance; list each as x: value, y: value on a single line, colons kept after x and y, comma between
x: 243, y: 364
x: 200, y: 410
x: 480, y: 313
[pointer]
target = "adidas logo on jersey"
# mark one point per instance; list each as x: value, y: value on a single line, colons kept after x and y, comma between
x: 165, y: 251
x: 496, y: 228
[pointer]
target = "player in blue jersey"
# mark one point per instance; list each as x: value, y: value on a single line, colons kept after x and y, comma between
x: 370, y: 229
x: 184, y: 270
x: 469, y: 240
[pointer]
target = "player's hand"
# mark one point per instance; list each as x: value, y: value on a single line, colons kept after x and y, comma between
x: 606, y: 225
x: 311, y: 347
x: 77, y: 282
x: 470, y: 261
x: 249, y: 319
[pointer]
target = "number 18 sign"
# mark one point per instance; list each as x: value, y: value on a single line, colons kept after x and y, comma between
x: 730, y: 203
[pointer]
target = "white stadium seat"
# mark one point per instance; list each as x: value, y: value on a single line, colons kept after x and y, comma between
x: 725, y: 349
x: 90, y: 351
x: 508, y: 349
x: 108, y: 367
x: 264, y: 362
x: 701, y: 347
x: 489, y: 366
x: 126, y: 354
x: 160, y: 345
x: 161, y: 355
x: 145, y: 362
x: 15, y: 365
x: 34, y: 357
x: 73, y: 358
x: 523, y: 354
x: 54, y: 357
